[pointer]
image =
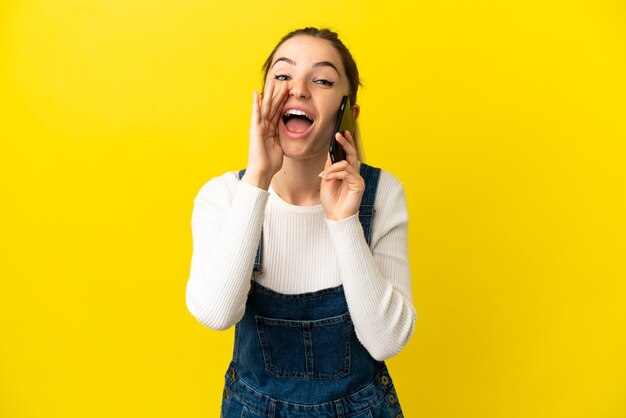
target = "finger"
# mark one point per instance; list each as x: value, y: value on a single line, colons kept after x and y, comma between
x: 342, y: 175
x: 349, y: 137
x: 340, y: 166
x: 327, y: 165
x: 351, y: 154
x: 278, y: 86
x: 349, y: 178
x: 329, y: 161
x: 267, y: 99
x: 278, y: 113
x: 255, y: 108
x: 278, y: 103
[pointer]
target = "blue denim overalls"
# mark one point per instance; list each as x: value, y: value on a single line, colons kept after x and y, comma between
x: 299, y: 356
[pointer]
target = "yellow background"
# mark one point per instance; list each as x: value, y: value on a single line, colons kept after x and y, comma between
x: 504, y: 120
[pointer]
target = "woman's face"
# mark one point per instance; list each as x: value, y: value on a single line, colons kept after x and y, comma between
x: 316, y: 81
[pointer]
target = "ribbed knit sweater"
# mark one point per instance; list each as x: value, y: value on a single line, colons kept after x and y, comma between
x: 302, y: 252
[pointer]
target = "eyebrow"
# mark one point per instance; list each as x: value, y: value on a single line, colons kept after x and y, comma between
x: 317, y: 64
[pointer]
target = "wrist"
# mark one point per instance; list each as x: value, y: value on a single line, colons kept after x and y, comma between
x: 339, y: 216
x: 257, y: 179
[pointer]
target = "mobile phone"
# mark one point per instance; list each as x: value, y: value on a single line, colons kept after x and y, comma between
x: 345, y: 122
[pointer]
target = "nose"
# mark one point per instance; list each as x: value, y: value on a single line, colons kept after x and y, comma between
x: 298, y: 88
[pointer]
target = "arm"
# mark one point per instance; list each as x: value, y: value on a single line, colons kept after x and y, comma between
x: 226, y: 226
x: 377, y: 282
x: 227, y: 220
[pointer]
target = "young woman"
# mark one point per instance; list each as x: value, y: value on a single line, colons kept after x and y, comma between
x: 317, y: 283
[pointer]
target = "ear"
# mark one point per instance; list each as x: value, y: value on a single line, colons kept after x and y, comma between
x: 356, y: 110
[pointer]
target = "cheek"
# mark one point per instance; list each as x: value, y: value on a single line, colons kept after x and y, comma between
x: 329, y: 106
x: 327, y: 126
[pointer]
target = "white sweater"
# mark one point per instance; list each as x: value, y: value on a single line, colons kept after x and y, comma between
x: 302, y: 252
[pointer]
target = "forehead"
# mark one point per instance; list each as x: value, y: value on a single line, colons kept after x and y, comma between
x: 307, y: 50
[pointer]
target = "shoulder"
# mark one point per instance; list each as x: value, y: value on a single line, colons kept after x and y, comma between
x: 223, y: 186
x: 389, y: 187
x: 390, y: 195
x: 391, y: 217
x: 388, y: 181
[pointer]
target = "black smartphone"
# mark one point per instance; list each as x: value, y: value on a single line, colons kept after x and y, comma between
x: 345, y: 122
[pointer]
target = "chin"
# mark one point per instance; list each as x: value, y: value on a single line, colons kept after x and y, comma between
x: 303, y: 153
x: 303, y: 148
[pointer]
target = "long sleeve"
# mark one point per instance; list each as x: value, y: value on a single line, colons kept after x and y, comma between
x: 302, y: 252
x: 377, y: 281
x: 226, y: 225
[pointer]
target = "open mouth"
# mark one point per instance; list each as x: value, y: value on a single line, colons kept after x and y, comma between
x: 297, y: 121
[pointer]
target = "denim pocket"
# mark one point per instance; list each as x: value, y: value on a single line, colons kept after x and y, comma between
x: 316, y: 349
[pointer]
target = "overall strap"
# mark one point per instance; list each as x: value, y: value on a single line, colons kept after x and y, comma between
x: 371, y: 175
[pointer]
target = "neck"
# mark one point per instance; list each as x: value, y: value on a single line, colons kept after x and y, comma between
x: 298, y: 181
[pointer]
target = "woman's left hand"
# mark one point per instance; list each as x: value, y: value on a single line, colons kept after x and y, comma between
x: 342, y: 186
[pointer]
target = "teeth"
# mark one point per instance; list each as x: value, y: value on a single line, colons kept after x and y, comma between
x: 297, y: 112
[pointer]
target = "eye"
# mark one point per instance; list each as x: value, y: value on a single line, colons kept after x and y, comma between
x: 324, y: 82
x: 282, y: 77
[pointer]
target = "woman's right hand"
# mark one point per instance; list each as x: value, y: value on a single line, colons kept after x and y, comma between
x: 265, y: 155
